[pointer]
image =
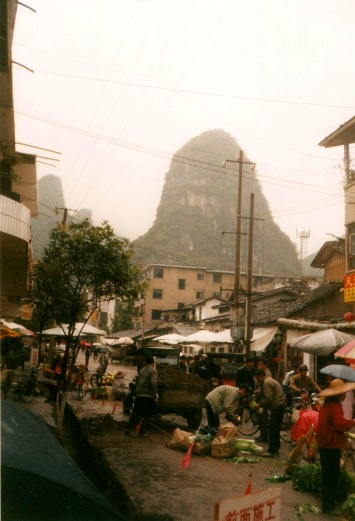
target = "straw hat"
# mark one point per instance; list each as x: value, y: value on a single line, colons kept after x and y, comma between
x: 336, y: 387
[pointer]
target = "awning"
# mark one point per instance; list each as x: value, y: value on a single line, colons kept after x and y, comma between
x: 262, y: 336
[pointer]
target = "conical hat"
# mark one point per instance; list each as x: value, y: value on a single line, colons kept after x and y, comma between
x: 337, y: 386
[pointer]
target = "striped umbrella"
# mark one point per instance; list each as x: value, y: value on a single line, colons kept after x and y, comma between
x: 7, y: 332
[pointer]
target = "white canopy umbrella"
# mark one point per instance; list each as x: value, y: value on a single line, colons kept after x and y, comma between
x: 172, y: 338
x: 204, y: 337
x: 89, y: 330
x: 225, y: 336
x: 322, y: 342
x: 123, y: 341
x: 80, y: 330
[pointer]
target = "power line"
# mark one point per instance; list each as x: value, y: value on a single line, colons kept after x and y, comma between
x: 200, y: 93
x: 175, y: 158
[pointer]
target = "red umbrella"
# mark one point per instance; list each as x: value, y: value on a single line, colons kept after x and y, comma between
x: 347, y: 351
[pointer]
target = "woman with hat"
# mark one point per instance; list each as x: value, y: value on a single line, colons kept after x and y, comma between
x: 331, y: 439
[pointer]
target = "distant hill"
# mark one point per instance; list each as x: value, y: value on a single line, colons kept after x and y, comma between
x: 196, y: 219
x: 50, y: 196
x: 307, y: 269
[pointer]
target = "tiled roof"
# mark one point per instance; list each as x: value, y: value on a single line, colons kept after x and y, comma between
x: 270, y: 313
x: 326, y: 251
x: 185, y: 330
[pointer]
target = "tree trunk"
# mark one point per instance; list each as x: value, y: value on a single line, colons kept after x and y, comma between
x: 61, y: 402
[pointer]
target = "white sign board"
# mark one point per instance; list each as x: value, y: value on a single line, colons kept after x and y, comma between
x: 264, y: 505
x: 34, y: 357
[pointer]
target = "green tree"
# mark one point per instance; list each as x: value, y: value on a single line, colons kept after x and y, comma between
x: 124, y: 311
x: 82, y: 266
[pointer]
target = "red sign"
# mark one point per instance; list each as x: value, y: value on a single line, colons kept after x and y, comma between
x: 349, y: 288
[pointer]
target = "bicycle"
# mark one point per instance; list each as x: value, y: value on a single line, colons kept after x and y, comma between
x: 249, y: 423
x: 96, y: 378
x: 306, y: 400
x: 79, y: 386
x: 249, y: 419
x: 26, y: 385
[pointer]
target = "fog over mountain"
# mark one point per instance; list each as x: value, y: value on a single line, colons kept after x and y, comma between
x: 196, y: 219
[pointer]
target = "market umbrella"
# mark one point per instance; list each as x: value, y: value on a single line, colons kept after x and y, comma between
x: 339, y: 371
x: 80, y: 330
x: 170, y: 338
x: 7, y: 332
x: 19, y: 328
x: 102, y: 349
x: 123, y: 341
x: 204, y: 337
x: 322, y: 342
x: 39, y: 479
x: 347, y: 351
x: 225, y: 336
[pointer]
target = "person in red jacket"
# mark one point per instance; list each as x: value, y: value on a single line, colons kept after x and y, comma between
x: 331, y: 440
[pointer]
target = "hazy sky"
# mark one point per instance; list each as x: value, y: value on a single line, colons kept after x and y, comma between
x: 120, y: 85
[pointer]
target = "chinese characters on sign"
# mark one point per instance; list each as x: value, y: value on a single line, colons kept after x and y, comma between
x: 262, y: 506
x: 349, y: 288
x: 34, y: 357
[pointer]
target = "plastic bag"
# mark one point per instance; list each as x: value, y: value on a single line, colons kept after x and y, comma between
x: 223, y: 446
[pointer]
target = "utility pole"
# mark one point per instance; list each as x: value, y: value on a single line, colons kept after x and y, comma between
x: 65, y: 214
x: 248, y: 307
x: 235, y: 316
x: 238, y: 241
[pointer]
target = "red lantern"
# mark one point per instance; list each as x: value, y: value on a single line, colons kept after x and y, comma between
x: 349, y: 317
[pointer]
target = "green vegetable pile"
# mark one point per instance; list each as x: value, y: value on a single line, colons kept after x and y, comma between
x: 308, y: 478
x: 205, y: 434
x: 248, y: 446
x: 348, y: 508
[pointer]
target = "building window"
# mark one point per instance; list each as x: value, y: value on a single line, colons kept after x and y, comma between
x: 157, y: 293
x: 200, y: 276
x: 216, y: 294
x: 181, y: 283
x: 351, y: 232
x: 217, y: 278
x: 156, y: 314
x: 181, y: 305
x: 158, y: 273
x: 199, y: 294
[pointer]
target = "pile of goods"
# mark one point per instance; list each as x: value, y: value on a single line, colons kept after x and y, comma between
x: 171, y: 376
x: 224, y: 443
x: 108, y: 378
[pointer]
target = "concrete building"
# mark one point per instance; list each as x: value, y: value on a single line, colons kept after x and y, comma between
x: 18, y: 183
x: 345, y: 136
x: 178, y: 287
x: 175, y: 287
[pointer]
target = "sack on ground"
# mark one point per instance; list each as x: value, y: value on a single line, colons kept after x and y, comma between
x: 181, y: 440
x: 223, y: 446
x: 202, y: 447
x: 295, y: 415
